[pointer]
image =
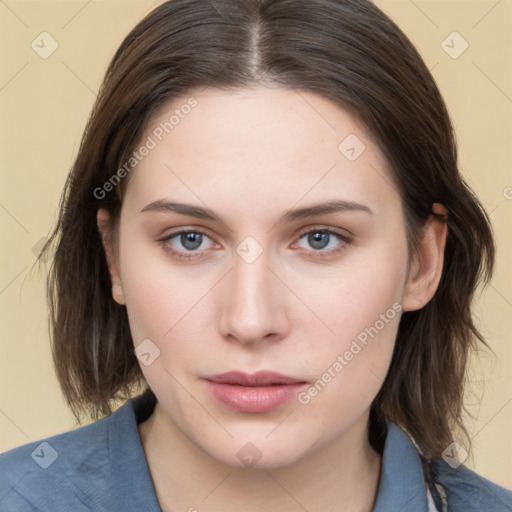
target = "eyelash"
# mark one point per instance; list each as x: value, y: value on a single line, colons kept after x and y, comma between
x: 344, y: 239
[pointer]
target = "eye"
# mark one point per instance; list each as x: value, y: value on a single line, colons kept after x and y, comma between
x: 323, y: 241
x: 186, y: 243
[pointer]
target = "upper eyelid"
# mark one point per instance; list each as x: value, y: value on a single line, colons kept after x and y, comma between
x: 335, y: 231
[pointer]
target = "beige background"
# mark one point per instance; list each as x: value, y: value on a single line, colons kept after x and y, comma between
x: 44, y: 104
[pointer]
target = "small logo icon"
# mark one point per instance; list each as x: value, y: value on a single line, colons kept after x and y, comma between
x: 249, y: 249
x: 454, y: 45
x: 147, y: 352
x: 249, y: 455
x: 455, y: 455
x: 352, y: 147
x: 38, y: 246
x: 45, y: 455
x: 44, y: 45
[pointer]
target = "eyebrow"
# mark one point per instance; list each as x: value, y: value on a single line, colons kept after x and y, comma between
x: 334, y: 206
x: 292, y: 215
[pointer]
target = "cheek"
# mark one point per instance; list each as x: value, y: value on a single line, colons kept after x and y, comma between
x: 165, y: 304
x: 364, y: 310
x: 155, y: 294
x: 364, y: 292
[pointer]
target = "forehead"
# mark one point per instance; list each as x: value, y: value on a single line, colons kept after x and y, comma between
x: 258, y: 147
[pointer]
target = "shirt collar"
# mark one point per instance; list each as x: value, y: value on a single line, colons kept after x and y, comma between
x: 402, y: 485
x: 132, y: 479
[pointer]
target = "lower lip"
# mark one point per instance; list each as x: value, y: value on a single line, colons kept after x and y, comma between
x: 253, y: 399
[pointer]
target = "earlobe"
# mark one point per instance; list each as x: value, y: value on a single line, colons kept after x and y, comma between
x: 105, y: 229
x: 426, y: 269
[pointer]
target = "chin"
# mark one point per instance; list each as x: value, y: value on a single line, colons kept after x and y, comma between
x: 257, y: 454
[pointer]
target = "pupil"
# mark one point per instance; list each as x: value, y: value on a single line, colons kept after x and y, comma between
x: 191, y: 240
x: 318, y: 240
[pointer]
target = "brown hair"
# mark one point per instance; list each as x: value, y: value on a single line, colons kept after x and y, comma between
x: 345, y: 50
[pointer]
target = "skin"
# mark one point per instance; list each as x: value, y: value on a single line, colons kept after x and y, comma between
x: 250, y: 155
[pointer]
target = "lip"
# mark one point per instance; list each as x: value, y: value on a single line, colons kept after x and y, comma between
x: 259, y: 392
x: 261, y: 378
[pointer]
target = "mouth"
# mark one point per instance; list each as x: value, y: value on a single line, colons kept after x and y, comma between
x: 262, y: 378
x: 256, y: 393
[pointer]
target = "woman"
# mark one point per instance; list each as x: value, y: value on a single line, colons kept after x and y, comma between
x: 266, y: 229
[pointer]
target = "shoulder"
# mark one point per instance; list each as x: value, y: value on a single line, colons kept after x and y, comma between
x: 31, y: 474
x: 99, y: 467
x: 465, y: 490
x: 404, y: 477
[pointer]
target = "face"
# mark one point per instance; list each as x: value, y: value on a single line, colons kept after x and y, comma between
x: 290, y: 256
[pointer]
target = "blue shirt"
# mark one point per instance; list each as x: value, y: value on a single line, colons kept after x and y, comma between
x: 102, y: 467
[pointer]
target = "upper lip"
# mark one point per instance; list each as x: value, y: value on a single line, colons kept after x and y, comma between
x: 261, y: 378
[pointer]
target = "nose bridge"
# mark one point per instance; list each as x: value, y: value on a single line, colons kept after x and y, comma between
x: 250, y: 283
x: 253, y: 307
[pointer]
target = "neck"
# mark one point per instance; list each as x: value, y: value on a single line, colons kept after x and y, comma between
x: 342, y: 475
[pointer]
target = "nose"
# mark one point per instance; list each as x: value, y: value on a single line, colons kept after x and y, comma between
x: 253, y: 303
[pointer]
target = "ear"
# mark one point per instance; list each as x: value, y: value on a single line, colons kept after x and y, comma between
x: 106, y: 232
x: 427, y: 266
